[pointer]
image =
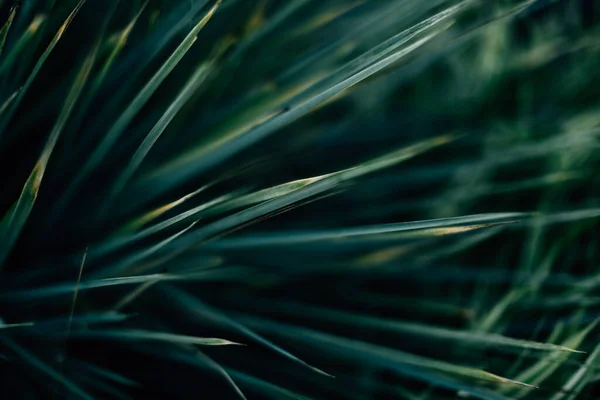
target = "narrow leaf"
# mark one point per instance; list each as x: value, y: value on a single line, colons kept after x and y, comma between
x: 544, y: 368
x: 30, y: 191
x: 404, y: 363
x: 425, y: 228
x: 123, y: 121
x: 581, y: 378
x: 463, y: 337
x: 274, y: 391
x: 6, y: 28
x: 190, y: 88
x: 138, y: 334
x: 8, y: 101
x: 15, y: 50
x: 321, y: 185
x: 44, y: 368
x: 208, y: 155
x: 196, y: 308
x: 36, y: 69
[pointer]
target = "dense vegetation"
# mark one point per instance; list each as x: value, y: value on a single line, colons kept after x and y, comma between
x: 379, y: 199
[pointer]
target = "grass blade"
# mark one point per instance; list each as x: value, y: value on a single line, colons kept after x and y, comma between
x: 59, y: 324
x: 44, y: 368
x: 9, y: 326
x: 314, y: 187
x: 383, y: 356
x: 214, y: 152
x: 196, y: 308
x: 190, y: 88
x: 327, y: 183
x: 103, y: 373
x: 38, y: 66
x: 8, y: 101
x: 580, y: 379
x: 119, y: 46
x: 463, y: 337
x: 123, y: 121
x: 272, y: 23
x: 29, y: 194
x: 426, y: 228
x: 6, y: 28
x: 136, y: 257
x: 121, y: 241
x: 544, y: 368
x: 139, y: 222
x: 12, y: 55
x: 190, y: 355
x: 212, y: 365
x: 63, y: 289
x: 143, y: 335
x: 219, y: 205
x: 272, y: 391
x: 69, y: 288
x: 172, y: 25
x: 114, y: 393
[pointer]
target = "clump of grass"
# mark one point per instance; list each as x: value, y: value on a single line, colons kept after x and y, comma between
x: 382, y: 199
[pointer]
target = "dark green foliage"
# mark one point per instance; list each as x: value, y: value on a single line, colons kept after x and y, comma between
x: 376, y: 199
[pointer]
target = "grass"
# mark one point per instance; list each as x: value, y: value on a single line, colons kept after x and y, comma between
x: 378, y: 199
